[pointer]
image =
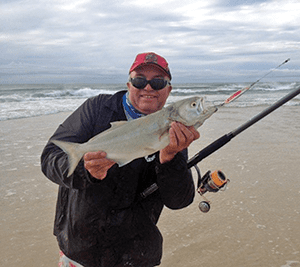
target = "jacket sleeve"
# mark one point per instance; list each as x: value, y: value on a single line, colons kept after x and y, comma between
x: 175, y: 182
x: 78, y: 127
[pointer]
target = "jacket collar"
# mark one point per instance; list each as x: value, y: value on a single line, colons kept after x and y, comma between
x: 114, y: 102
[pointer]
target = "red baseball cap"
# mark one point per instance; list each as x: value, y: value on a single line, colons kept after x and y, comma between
x: 151, y: 58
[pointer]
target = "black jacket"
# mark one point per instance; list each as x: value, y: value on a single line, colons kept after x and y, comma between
x: 106, y: 222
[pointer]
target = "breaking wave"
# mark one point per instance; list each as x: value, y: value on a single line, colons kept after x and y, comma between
x: 19, y: 101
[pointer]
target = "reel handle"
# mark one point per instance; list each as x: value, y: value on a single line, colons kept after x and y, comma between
x: 210, y: 182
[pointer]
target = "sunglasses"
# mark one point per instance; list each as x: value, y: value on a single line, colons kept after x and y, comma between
x: 156, y: 83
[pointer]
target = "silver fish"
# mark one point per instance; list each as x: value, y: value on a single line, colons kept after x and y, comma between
x: 126, y: 141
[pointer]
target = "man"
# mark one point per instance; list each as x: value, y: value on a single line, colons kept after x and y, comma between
x: 106, y: 215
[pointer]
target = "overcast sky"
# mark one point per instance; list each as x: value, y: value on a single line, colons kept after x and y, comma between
x: 96, y: 41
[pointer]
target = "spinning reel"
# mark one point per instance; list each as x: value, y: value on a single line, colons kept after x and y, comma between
x: 210, y: 182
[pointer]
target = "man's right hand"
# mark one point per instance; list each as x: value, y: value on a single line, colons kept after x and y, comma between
x: 97, y: 164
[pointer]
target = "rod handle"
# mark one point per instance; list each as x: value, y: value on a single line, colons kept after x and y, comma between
x: 205, y: 152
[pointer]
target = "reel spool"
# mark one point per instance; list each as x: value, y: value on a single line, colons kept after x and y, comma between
x: 210, y: 182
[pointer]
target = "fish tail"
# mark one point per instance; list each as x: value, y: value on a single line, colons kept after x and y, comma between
x: 73, y: 152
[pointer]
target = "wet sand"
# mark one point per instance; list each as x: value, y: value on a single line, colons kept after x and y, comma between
x: 255, y: 222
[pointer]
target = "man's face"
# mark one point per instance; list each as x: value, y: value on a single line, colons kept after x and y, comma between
x: 147, y: 100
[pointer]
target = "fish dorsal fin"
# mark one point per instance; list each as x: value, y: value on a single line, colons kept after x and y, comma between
x: 116, y: 124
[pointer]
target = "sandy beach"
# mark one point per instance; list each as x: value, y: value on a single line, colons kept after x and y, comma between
x: 255, y: 222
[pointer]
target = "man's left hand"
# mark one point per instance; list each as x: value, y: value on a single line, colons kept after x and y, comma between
x: 181, y: 137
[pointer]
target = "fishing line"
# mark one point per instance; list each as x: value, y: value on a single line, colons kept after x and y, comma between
x: 242, y: 91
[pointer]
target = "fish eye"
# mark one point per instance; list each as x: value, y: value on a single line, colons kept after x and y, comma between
x: 194, y: 104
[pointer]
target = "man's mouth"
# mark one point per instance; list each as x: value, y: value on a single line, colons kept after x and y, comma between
x: 148, y: 96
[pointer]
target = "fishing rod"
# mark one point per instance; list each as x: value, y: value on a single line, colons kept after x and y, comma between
x: 242, y: 91
x: 227, y: 137
x: 213, y: 182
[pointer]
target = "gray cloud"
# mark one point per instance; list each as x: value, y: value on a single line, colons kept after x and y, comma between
x: 96, y: 41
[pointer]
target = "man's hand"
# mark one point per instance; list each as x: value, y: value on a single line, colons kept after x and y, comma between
x: 181, y: 137
x: 97, y: 164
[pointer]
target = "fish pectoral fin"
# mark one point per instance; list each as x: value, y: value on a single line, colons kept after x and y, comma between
x: 163, y: 141
x: 164, y: 136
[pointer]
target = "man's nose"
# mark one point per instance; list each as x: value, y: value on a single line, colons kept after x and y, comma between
x: 148, y: 87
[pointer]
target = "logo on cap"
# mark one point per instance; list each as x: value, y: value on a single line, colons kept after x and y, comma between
x: 151, y: 58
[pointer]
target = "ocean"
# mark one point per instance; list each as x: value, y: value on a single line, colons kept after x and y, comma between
x: 23, y: 100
